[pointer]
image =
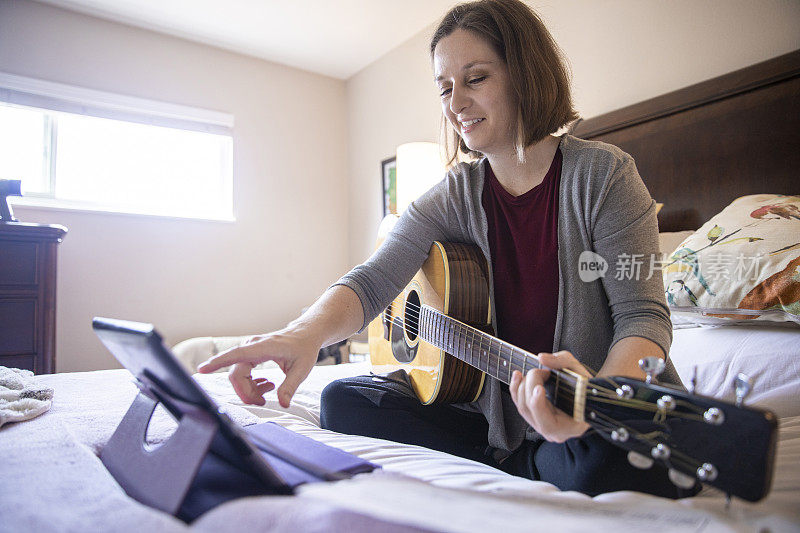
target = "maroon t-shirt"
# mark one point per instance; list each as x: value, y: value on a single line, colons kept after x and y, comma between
x: 523, y: 240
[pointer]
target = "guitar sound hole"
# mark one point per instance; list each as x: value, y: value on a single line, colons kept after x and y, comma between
x: 411, y: 315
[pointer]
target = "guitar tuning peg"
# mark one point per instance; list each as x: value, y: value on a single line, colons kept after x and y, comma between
x: 743, y: 385
x: 642, y: 462
x: 707, y: 472
x: 625, y: 392
x: 620, y: 435
x: 652, y: 366
x: 660, y: 451
x: 714, y: 416
x: 666, y: 403
x: 681, y: 480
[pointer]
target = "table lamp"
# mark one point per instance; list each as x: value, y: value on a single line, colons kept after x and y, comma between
x: 419, y: 167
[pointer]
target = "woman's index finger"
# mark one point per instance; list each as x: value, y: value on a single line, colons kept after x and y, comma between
x: 239, y: 354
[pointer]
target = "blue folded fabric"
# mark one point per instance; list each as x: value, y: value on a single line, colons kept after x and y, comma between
x: 299, y: 459
x: 295, y: 458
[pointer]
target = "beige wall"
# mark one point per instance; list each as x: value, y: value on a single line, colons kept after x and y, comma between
x: 621, y: 52
x: 188, y: 277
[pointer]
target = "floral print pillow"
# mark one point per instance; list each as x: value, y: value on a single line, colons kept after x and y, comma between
x: 743, y: 264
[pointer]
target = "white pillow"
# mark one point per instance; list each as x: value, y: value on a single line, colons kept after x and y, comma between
x: 765, y: 352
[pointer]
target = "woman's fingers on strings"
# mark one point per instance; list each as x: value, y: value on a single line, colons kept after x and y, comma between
x: 531, y: 400
x: 533, y: 379
x: 518, y: 394
x: 516, y: 379
x: 546, y: 414
x: 541, y: 414
x: 562, y: 359
x: 553, y: 424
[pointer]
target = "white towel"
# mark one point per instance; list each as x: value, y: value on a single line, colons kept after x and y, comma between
x: 20, y: 397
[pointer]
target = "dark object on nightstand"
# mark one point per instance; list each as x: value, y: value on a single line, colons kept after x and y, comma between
x: 334, y: 350
x: 28, y: 294
x: 8, y: 188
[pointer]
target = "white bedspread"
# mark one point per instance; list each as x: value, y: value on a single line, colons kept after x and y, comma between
x: 52, y: 479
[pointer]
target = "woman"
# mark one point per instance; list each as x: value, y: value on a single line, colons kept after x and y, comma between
x: 532, y: 202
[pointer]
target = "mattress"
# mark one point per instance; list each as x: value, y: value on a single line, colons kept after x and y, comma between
x: 59, y: 484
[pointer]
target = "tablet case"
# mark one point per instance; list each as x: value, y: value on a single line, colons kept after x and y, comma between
x: 207, y: 460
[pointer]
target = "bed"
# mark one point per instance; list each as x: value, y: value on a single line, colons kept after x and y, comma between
x: 697, y: 149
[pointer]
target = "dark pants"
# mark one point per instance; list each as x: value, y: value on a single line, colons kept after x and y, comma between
x: 373, y: 407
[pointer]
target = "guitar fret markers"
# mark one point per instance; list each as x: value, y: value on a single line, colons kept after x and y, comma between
x: 464, y: 342
x: 476, y: 348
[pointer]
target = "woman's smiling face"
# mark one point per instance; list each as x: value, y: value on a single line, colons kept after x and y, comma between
x: 476, y: 93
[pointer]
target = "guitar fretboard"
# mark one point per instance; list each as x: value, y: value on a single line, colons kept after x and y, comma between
x: 489, y: 354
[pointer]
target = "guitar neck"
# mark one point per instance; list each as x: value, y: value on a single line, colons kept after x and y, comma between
x: 497, y: 358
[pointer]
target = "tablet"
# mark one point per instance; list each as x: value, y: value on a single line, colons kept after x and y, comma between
x: 280, y: 458
x: 141, y: 349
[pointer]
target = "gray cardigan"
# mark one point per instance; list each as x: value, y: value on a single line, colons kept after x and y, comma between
x: 603, y: 207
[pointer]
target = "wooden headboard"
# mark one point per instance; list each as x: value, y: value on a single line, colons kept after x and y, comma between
x: 700, y: 147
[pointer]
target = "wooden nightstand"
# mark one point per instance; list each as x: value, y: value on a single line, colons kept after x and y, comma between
x: 28, y: 295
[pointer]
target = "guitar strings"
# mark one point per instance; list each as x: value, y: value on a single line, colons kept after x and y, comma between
x: 510, y: 360
x: 596, y: 392
x: 414, y: 314
x: 397, y: 320
x: 599, y: 392
x: 561, y: 379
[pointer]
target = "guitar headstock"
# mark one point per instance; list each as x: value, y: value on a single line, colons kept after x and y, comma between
x: 698, y: 438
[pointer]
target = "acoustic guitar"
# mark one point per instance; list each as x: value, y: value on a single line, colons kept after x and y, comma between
x: 438, y: 331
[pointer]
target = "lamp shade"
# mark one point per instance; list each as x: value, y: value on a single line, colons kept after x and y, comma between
x: 419, y: 167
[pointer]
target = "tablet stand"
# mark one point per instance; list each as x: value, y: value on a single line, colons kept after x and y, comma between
x: 159, y: 477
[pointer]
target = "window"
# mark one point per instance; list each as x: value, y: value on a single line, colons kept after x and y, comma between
x: 81, y: 149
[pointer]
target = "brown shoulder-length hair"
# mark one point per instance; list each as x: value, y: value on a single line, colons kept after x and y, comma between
x: 536, y: 66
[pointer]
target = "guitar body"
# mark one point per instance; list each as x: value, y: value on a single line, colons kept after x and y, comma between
x: 454, y: 281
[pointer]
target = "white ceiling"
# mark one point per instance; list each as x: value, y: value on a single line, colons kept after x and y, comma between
x: 332, y: 37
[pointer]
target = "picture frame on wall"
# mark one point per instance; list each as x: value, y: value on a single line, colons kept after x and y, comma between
x: 389, y: 185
